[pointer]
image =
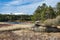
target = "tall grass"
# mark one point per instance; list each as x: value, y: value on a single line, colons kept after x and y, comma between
x: 50, y: 22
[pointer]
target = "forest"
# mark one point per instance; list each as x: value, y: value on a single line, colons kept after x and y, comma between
x: 42, y: 13
x: 12, y: 18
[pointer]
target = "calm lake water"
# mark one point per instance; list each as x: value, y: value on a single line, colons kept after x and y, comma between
x: 14, y: 22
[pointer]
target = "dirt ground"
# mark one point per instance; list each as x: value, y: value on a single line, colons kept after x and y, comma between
x: 28, y: 35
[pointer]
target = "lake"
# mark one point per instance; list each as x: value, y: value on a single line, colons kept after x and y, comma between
x: 14, y: 22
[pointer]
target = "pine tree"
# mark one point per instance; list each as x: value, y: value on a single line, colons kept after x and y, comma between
x: 58, y: 8
x: 50, y: 13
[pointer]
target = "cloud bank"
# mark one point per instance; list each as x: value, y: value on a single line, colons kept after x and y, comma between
x: 23, y: 6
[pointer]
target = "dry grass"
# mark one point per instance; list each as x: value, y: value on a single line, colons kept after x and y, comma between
x: 28, y: 35
x: 50, y: 22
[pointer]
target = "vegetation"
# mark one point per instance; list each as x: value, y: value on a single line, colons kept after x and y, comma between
x: 51, y: 22
x: 58, y: 20
x: 15, y: 17
x: 58, y: 8
x: 42, y: 13
x: 46, y: 12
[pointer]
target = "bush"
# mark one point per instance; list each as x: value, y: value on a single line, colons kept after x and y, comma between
x: 50, y: 22
x: 58, y: 20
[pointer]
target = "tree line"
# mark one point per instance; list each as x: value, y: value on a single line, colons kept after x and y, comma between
x: 42, y: 12
x: 46, y: 12
x: 6, y: 18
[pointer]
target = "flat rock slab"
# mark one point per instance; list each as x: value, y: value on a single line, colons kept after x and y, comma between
x: 15, y: 26
x: 28, y: 35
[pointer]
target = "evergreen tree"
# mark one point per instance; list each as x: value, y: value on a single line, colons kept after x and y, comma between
x: 44, y: 12
x: 58, y: 8
x: 50, y: 13
x: 36, y: 15
x: 39, y: 14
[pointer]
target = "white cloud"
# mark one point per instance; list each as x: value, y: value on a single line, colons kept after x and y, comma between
x: 21, y: 9
x: 12, y: 3
x: 15, y: 13
x: 5, y: 13
x: 19, y: 13
x: 21, y: 2
x: 8, y: 8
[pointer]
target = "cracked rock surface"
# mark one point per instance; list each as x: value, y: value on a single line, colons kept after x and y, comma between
x: 28, y: 35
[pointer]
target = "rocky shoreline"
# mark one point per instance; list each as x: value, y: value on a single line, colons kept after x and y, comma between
x: 28, y: 35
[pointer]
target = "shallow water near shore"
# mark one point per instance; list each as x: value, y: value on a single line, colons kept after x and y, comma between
x: 14, y: 22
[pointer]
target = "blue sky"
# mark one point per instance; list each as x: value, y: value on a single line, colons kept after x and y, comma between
x: 23, y: 6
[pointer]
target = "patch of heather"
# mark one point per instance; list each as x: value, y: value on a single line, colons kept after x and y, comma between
x: 5, y: 25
